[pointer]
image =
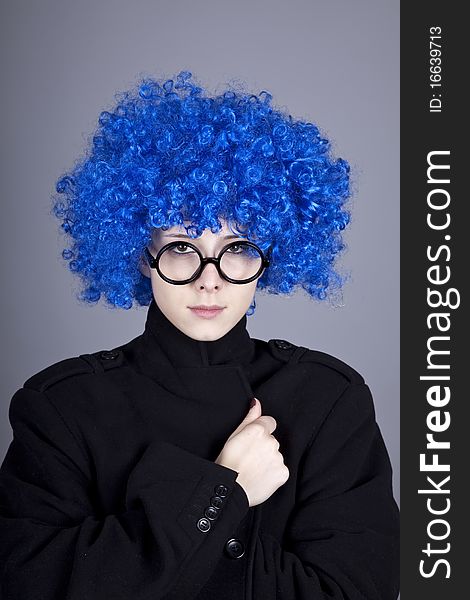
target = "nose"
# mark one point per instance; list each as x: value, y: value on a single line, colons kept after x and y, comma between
x: 209, y: 277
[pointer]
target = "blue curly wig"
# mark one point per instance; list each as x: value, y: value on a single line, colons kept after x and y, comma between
x: 167, y: 153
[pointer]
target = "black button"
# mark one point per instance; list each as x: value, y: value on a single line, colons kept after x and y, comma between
x: 211, y: 512
x: 235, y: 548
x: 217, y: 501
x: 204, y: 525
x: 109, y: 354
x: 221, y: 490
x: 282, y: 344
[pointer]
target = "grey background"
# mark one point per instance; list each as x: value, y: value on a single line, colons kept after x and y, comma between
x: 335, y: 63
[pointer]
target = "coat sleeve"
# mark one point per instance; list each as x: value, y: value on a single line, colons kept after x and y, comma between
x: 342, y: 540
x: 55, y: 544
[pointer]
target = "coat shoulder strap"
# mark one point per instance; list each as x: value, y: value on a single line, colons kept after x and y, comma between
x: 286, y: 351
x: 315, y: 356
x: 97, y: 362
x: 290, y: 353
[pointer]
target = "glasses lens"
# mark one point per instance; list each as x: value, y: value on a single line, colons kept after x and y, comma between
x: 179, y: 262
x: 238, y: 262
x: 241, y: 261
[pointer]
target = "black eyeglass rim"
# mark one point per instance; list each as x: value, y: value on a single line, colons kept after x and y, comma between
x: 154, y: 262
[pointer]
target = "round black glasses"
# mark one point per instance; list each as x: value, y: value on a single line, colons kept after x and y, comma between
x: 180, y: 263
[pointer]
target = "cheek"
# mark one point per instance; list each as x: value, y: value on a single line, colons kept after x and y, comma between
x: 244, y: 296
x: 167, y: 294
x: 251, y: 289
x: 250, y: 293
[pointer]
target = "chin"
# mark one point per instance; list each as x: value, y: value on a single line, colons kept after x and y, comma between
x: 209, y: 331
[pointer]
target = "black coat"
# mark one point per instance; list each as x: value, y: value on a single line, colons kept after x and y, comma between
x: 109, y: 491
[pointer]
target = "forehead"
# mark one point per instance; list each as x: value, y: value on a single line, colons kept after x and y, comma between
x: 180, y: 231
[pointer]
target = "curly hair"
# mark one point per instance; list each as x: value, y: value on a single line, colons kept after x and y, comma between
x: 167, y: 153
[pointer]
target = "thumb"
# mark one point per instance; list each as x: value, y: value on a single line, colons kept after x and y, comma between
x: 254, y: 412
x: 252, y: 415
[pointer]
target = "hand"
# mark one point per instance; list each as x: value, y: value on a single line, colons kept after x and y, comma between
x: 253, y: 452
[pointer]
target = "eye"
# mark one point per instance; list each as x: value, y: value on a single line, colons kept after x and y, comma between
x: 179, y: 248
x: 236, y: 249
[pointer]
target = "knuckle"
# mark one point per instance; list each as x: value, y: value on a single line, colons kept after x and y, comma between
x: 274, y: 442
x: 257, y: 427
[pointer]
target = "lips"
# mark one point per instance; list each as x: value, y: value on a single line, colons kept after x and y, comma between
x: 207, y: 307
x: 206, y: 313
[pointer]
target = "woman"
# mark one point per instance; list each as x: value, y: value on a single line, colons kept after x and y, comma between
x: 146, y: 471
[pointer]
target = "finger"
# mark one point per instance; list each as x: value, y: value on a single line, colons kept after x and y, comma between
x: 268, y: 422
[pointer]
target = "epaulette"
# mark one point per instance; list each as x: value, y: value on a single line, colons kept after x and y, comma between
x: 96, y: 362
x: 332, y: 362
x: 286, y: 351
x: 290, y: 353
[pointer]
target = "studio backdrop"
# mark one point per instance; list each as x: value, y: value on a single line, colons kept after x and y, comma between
x: 332, y: 63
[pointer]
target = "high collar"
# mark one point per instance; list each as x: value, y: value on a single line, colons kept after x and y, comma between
x: 224, y: 371
x: 235, y: 347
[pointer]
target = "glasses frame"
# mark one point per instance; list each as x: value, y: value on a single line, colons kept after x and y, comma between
x: 154, y: 262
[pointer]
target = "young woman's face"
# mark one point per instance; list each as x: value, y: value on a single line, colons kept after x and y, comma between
x: 209, y: 289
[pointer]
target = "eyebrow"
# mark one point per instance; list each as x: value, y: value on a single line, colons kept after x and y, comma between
x: 182, y: 235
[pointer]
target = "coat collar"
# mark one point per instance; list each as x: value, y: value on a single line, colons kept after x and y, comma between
x: 226, y: 371
x: 235, y: 347
x: 188, y: 368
